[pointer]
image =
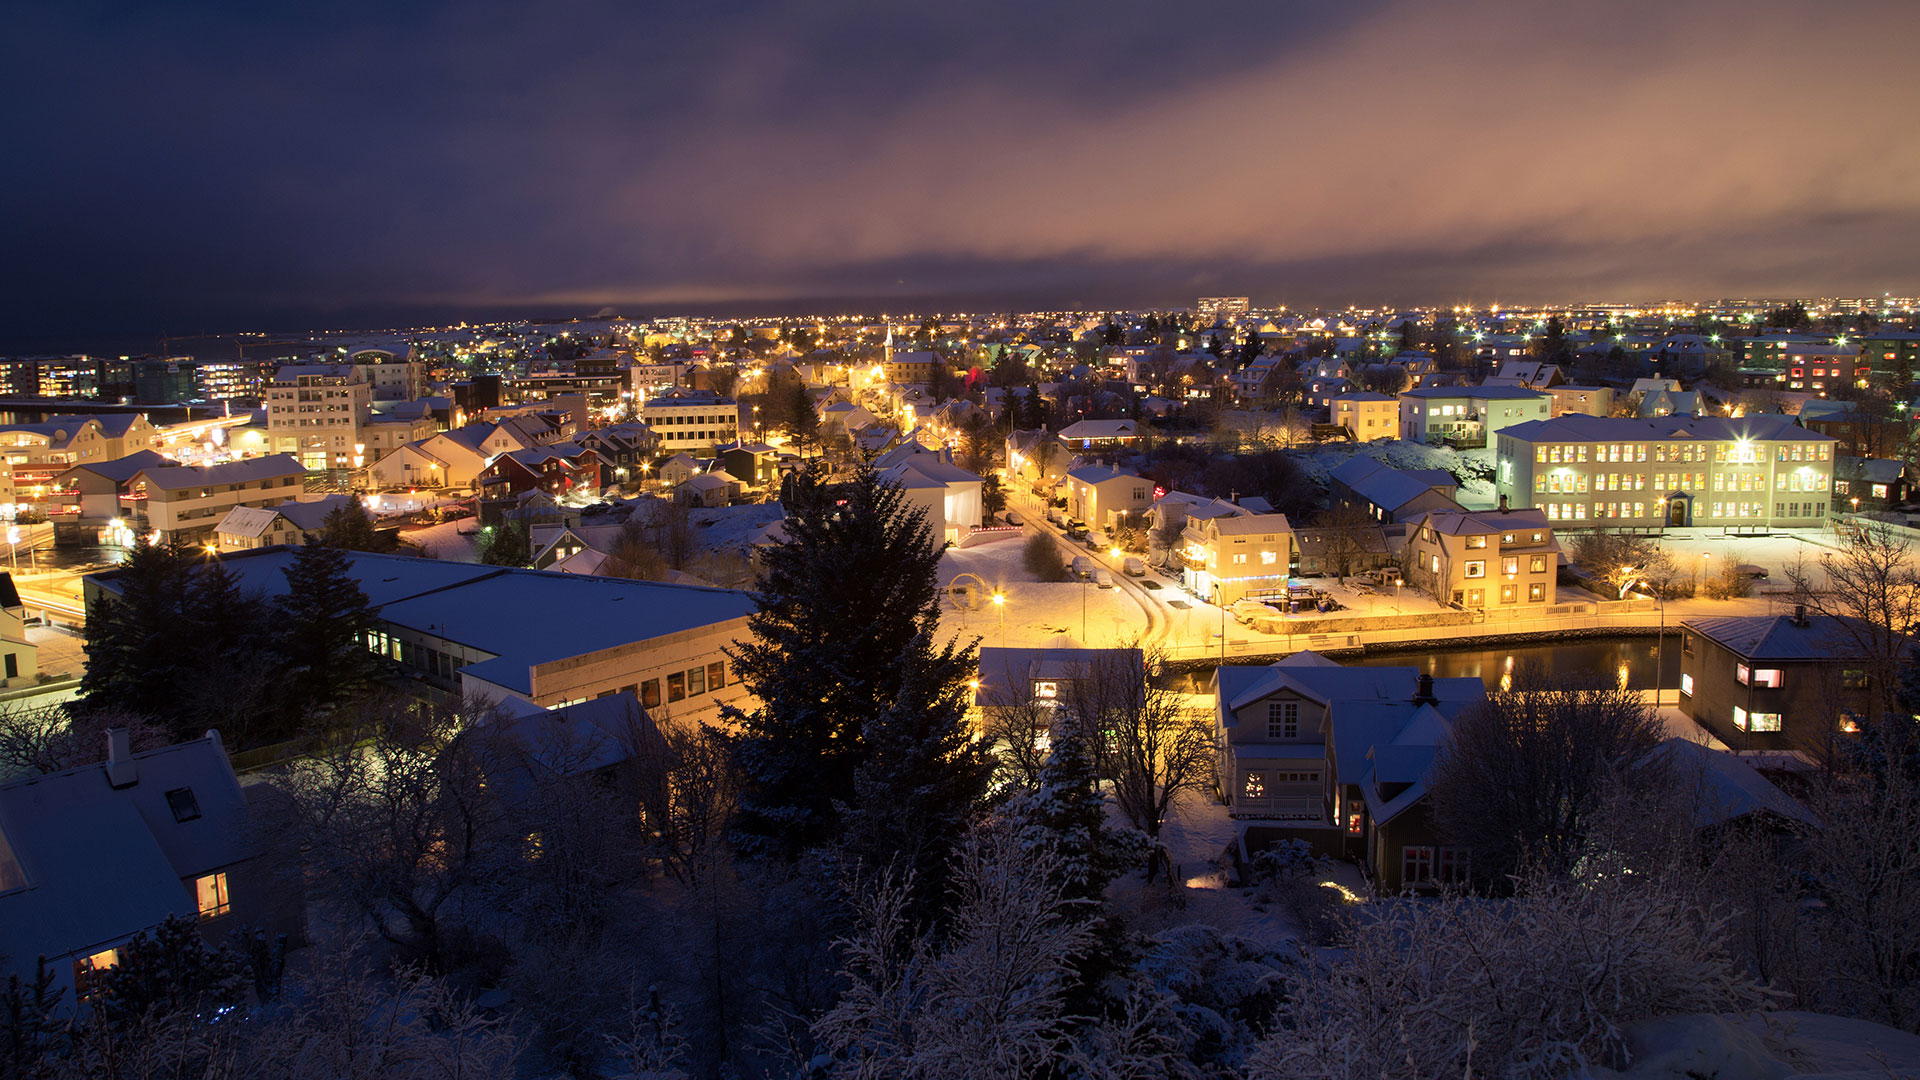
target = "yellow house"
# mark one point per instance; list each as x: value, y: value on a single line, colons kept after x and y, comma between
x: 1491, y: 559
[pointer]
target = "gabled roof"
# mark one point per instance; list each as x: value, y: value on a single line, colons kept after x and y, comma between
x: 1387, y: 487
x: 1100, y: 429
x: 245, y: 470
x: 120, y: 470
x: 252, y: 522
x: 1481, y: 522
x: 1728, y: 787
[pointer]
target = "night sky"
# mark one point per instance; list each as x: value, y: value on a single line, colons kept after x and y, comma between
x: 192, y: 166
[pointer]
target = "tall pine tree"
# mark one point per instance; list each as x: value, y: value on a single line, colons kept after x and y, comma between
x: 848, y: 606
x: 1068, y: 813
x: 133, y: 661
x: 923, y: 777
x: 327, y: 616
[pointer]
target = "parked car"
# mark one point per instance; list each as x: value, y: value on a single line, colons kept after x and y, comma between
x: 1133, y: 567
x: 1102, y: 578
x: 1012, y: 517
x: 1056, y: 515
x: 1757, y: 573
x: 1081, y: 566
x: 1097, y: 541
x: 1076, y: 529
x: 1246, y: 610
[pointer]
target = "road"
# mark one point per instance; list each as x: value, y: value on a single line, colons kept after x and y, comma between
x: 57, y: 593
x: 1159, y: 618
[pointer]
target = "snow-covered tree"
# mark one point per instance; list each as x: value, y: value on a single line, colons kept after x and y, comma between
x: 1068, y: 813
x: 989, y: 1001
x: 1535, y: 986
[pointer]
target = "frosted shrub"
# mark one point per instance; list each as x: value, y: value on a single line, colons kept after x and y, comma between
x: 1535, y: 986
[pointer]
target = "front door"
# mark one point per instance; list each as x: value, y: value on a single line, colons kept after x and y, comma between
x: 1679, y: 509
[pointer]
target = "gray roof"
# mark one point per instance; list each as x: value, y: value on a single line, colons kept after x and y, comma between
x: 1479, y: 393
x: 1006, y: 674
x: 83, y: 865
x: 1387, y: 487
x: 246, y: 470
x: 1727, y: 787
x: 1777, y: 637
x: 1575, y: 428
x: 121, y: 470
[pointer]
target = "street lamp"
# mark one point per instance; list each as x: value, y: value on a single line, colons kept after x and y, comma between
x: 1000, y: 607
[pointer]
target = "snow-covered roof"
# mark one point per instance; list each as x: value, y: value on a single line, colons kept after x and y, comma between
x: 245, y: 470
x: 84, y: 865
x: 1576, y: 428
x: 1778, y: 637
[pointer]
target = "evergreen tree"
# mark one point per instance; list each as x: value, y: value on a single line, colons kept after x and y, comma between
x: 28, y: 1025
x: 232, y: 676
x: 1069, y: 813
x: 845, y: 607
x: 327, y: 616
x: 133, y: 661
x: 803, y: 423
x: 169, y: 970
x: 348, y: 527
x: 923, y: 778
x: 507, y: 544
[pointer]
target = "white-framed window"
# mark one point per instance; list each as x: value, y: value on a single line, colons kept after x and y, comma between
x: 1477, y: 568
x: 1686, y: 684
x: 1283, y: 719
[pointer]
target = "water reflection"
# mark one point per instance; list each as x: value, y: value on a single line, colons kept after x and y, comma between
x: 1631, y: 661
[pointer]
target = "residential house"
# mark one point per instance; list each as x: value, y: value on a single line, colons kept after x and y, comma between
x: 1581, y: 400
x: 183, y: 503
x: 1531, y: 374
x: 1389, y: 495
x: 555, y: 469
x: 1658, y: 403
x: 1861, y: 429
x: 89, y: 495
x: 678, y: 469
x: 1102, y: 497
x: 93, y: 855
x: 1868, y: 484
x: 1759, y: 470
x: 1099, y: 434
x: 1468, y: 415
x: 753, y: 464
x: 1505, y: 560
x: 716, y: 487
x: 19, y: 658
x: 909, y: 367
x: 949, y: 495
x: 1036, y: 455
x: 1018, y: 680
x: 291, y: 522
x: 1233, y: 557
x: 1368, y: 416
x: 1778, y: 682
x: 1339, y: 757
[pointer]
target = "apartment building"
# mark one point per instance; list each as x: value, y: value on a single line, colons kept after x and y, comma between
x: 317, y: 413
x: 1367, y: 416
x: 392, y: 374
x: 1677, y: 470
x: 1468, y: 415
x: 1101, y: 496
x: 696, y: 421
x: 36, y: 455
x: 1492, y: 560
x: 1234, y: 556
x: 909, y: 368
x: 1569, y: 399
x: 183, y: 503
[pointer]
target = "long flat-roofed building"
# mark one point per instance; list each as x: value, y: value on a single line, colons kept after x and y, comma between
x: 1672, y: 470
x: 549, y: 638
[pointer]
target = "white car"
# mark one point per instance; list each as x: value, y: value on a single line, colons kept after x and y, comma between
x: 1081, y: 566
x: 1012, y: 517
x: 1102, y: 578
x: 1133, y: 567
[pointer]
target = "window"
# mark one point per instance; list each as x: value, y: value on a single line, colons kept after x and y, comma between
x: 212, y: 891
x: 1416, y: 865
x: 184, y: 806
x: 1766, y: 721
x: 1283, y: 719
x: 1537, y: 564
x: 1477, y: 568
x: 1686, y: 684
x: 716, y: 674
x: 1740, y: 718
x: 677, y: 686
x: 1510, y: 565
x: 1767, y: 677
x: 696, y: 681
x: 1046, y: 690
x: 650, y: 693
x: 1450, y: 865
x: 1853, y: 679
x: 1536, y: 592
x: 1256, y: 786
x: 86, y: 971
x: 1507, y: 594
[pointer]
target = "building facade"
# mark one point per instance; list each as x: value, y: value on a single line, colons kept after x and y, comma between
x: 1675, y: 471
x: 1468, y: 415
x: 1367, y: 416
x: 1489, y: 560
x: 1232, y: 557
x: 696, y: 421
x: 316, y: 413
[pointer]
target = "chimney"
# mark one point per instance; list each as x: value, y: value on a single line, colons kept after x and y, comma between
x: 1800, y: 615
x: 1423, y: 691
x: 121, y: 771
x: 1503, y: 505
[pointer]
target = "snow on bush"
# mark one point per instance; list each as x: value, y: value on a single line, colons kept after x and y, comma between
x: 1536, y: 986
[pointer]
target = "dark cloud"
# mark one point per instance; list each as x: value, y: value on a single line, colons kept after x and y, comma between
x: 233, y: 163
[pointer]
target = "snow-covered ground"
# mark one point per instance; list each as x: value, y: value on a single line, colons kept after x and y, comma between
x: 1036, y: 612
x: 451, y: 541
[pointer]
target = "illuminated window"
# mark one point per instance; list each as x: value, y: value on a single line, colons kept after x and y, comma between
x: 1766, y: 721
x: 212, y: 892
x: 87, y: 971
x: 1046, y: 690
x: 676, y: 686
x: 1477, y: 568
x: 1686, y: 684
x: 716, y: 675
x: 1256, y: 786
